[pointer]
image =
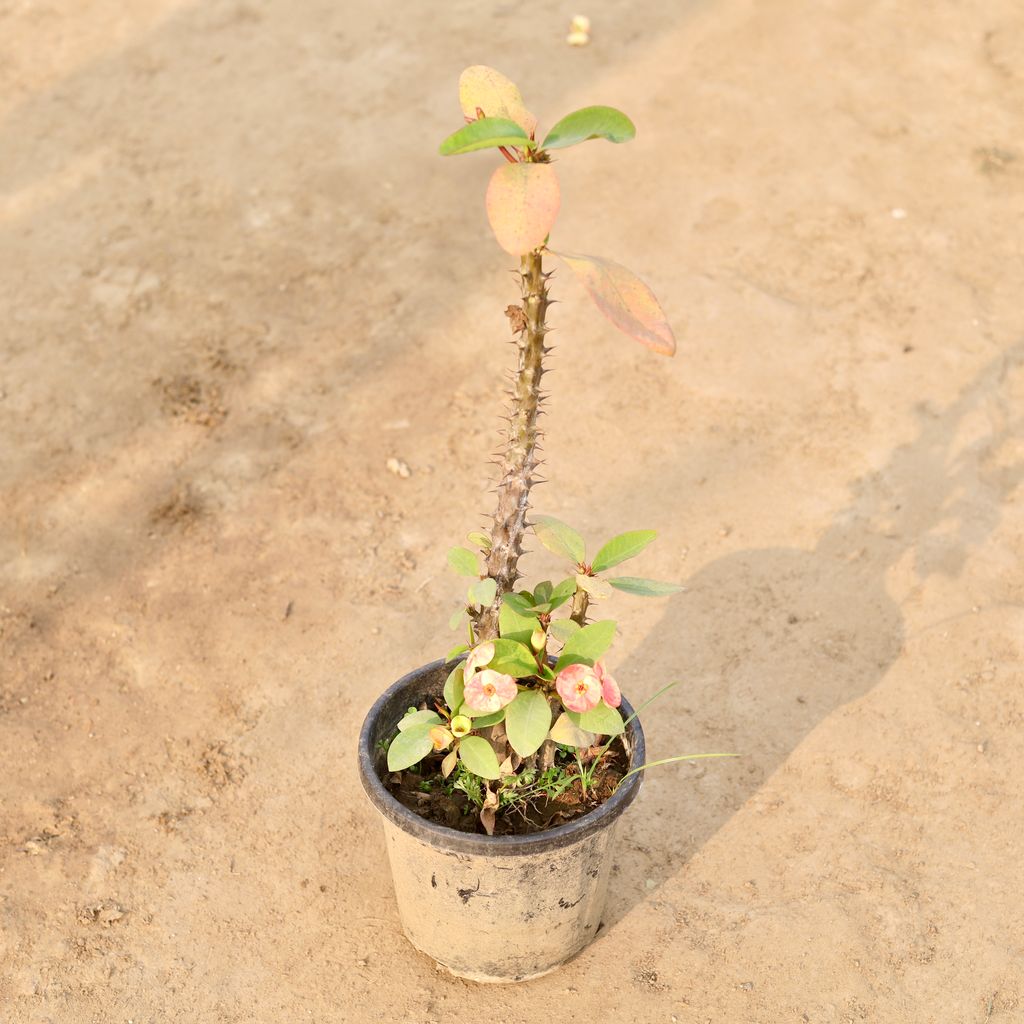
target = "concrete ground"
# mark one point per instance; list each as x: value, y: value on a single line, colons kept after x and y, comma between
x: 236, y: 280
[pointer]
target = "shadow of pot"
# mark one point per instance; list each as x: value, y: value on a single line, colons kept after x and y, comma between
x: 491, y: 908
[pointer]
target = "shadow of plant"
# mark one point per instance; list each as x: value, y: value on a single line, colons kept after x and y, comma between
x: 772, y: 641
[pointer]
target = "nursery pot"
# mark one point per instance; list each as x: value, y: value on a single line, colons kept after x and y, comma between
x: 491, y: 908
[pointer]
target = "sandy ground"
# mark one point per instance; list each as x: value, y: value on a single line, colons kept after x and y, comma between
x: 236, y: 280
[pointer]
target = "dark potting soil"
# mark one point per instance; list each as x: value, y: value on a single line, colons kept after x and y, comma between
x: 427, y: 794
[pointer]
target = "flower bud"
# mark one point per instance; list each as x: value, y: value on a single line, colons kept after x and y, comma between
x: 441, y: 737
x: 462, y: 725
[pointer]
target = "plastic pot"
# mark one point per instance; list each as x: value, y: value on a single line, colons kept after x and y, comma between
x: 491, y: 908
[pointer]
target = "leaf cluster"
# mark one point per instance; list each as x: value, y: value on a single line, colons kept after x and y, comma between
x: 524, y: 195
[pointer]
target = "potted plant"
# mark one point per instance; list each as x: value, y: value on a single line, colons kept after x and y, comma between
x: 501, y: 771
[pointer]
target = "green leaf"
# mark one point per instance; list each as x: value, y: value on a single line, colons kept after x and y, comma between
x: 521, y: 603
x: 542, y: 592
x: 569, y: 734
x: 562, y: 593
x: 514, y: 626
x: 562, y: 629
x: 597, y: 589
x: 513, y: 658
x: 559, y: 538
x: 481, y: 721
x: 457, y: 616
x: 603, y: 720
x: 618, y: 549
x: 483, y: 592
x: 463, y: 561
x: 416, y: 718
x: 586, y: 646
x: 409, y: 747
x: 456, y: 651
x: 644, y: 588
x: 527, y: 721
x: 480, y: 539
x: 453, y: 688
x: 479, y: 757
x: 590, y: 123
x: 483, y: 134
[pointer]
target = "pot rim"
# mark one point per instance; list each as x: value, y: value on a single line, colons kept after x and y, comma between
x: 443, y: 837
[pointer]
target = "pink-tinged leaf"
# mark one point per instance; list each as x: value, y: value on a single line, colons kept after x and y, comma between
x: 483, y: 88
x: 522, y: 204
x: 622, y: 297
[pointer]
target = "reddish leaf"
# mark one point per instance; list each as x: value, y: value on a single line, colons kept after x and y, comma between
x: 624, y: 299
x: 483, y: 88
x: 522, y: 204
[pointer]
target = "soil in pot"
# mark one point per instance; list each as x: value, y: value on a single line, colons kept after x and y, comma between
x: 544, y: 799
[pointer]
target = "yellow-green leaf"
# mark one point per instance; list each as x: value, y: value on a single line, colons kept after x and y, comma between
x: 566, y: 732
x: 454, y: 687
x: 604, y: 720
x: 625, y: 545
x: 522, y: 204
x: 483, y: 88
x: 562, y: 629
x: 482, y: 592
x: 409, y: 747
x: 513, y: 659
x: 623, y: 298
x: 560, y: 595
x: 483, y: 719
x: 513, y: 625
x: 416, y: 718
x: 488, y: 132
x: 590, y: 123
x: 644, y: 588
x: 527, y: 720
x: 463, y: 561
x: 586, y: 646
x: 478, y: 756
x: 597, y: 589
x: 559, y: 538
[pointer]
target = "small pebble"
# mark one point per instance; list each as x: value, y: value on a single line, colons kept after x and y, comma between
x: 399, y: 467
x: 579, y: 31
x: 899, y: 213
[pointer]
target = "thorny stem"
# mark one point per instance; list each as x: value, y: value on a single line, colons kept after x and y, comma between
x: 580, y: 603
x: 520, y: 457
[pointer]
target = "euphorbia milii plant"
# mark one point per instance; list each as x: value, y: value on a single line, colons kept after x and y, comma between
x: 533, y: 696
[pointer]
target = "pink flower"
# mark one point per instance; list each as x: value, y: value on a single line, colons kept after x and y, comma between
x: 489, y: 691
x: 609, y: 688
x: 579, y: 687
x: 477, y: 658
